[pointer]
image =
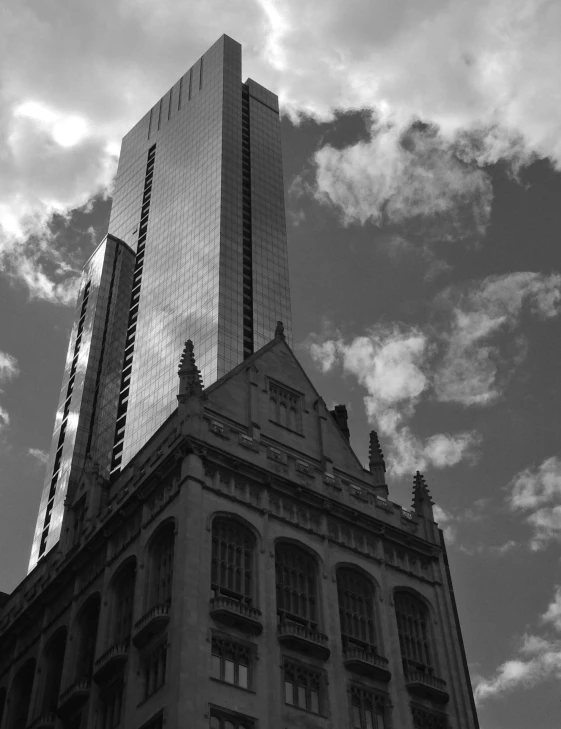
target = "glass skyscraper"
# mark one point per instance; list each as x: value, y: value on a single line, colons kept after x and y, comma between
x: 196, y: 249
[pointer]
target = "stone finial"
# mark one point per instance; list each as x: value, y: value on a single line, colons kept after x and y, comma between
x: 422, y: 501
x: 279, y: 331
x: 377, y: 464
x: 190, y: 379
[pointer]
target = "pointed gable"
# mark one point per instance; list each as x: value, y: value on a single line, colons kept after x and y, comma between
x: 271, y: 397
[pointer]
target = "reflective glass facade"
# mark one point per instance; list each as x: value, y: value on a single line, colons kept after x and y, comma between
x: 199, y: 208
x: 85, y: 418
x: 215, y: 264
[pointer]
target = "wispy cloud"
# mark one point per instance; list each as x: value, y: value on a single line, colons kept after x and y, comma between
x: 9, y: 369
x: 406, y: 178
x: 458, y: 357
x: 537, y: 494
x: 448, y: 88
x: 537, y: 659
x: 391, y: 364
x: 40, y: 456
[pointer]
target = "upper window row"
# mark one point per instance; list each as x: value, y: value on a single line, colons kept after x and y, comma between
x: 233, y: 575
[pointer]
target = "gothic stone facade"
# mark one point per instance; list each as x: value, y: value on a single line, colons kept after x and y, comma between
x: 243, y: 572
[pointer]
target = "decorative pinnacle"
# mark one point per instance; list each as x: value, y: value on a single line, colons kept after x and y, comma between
x: 279, y: 331
x: 191, y: 381
x: 375, y: 455
x: 422, y: 501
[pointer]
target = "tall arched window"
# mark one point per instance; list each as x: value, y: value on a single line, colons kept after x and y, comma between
x: 20, y: 695
x: 232, y: 569
x: 123, y: 603
x: 296, y: 580
x: 413, y: 628
x: 53, y: 661
x: 356, y: 609
x: 88, y: 620
x: 161, y: 566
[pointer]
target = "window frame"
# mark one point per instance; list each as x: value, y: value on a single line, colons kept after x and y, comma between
x: 281, y: 396
x: 237, y: 647
x: 155, y: 550
x: 120, y: 619
x: 248, y: 570
x: 368, y: 617
x: 310, y: 674
x: 291, y: 589
x: 423, y: 641
x: 239, y: 721
x: 359, y: 696
x: 156, y: 655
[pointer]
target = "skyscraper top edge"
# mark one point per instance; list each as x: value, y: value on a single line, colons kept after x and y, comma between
x: 109, y: 236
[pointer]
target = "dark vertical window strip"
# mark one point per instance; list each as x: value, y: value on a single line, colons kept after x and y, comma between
x: 190, y: 81
x: 179, y: 95
x: 102, y: 351
x: 133, y: 313
x: 201, y: 74
x: 247, y: 245
x: 150, y: 123
x: 170, y: 102
x: 62, y: 433
x: 160, y: 114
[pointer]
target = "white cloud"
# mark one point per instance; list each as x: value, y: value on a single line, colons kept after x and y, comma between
x: 40, y: 456
x: 540, y: 660
x: 532, y: 488
x: 458, y: 357
x: 412, y: 178
x: 477, y: 75
x: 391, y: 364
x: 9, y: 369
x: 553, y: 613
x: 537, y: 659
x: 474, y: 370
x: 538, y: 493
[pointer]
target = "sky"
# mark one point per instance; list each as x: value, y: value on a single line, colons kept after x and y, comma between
x: 422, y: 161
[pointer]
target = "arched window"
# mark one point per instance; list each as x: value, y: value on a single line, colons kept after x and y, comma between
x: 20, y: 696
x: 356, y: 609
x: 53, y: 661
x: 232, y: 570
x: 296, y: 578
x: 87, y: 635
x: 123, y: 603
x: 161, y: 566
x: 413, y: 629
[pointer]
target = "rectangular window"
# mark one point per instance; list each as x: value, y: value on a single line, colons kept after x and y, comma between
x: 154, y: 669
x: 427, y: 719
x: 111, y: 706
x: 231, y: 661
x: 285, y: 407
x: 220, y: 719
x: 302, y: 687
x: 369, y: 709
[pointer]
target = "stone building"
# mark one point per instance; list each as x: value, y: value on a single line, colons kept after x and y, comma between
x: 244, y: 571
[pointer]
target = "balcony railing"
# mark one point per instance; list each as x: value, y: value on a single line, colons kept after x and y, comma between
x: 74, y: 696
x: 366, y: 662
x: 230, y: 611
x: 154, y: 621
x: 45, y: 721
x: 111, y: 661
x: 303, y: 638
x: 423, y: 683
